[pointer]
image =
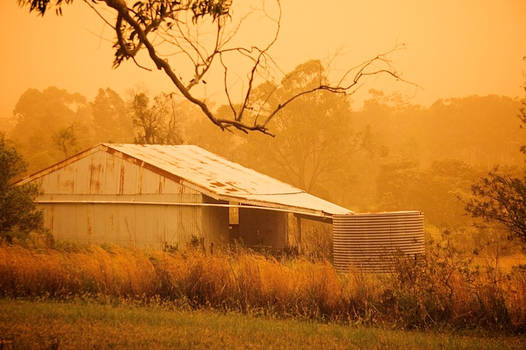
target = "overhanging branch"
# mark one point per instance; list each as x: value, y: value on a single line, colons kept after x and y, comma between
x: 136, y: 20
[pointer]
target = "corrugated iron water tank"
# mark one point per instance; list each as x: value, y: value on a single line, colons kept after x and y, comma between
x: 370, y: 242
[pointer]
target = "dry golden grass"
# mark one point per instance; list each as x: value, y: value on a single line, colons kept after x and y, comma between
x: 444, y: 292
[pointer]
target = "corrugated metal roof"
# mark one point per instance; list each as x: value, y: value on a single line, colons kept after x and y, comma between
x: 223, y: 179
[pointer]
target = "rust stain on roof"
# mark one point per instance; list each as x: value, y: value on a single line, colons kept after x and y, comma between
x: 221, y: 178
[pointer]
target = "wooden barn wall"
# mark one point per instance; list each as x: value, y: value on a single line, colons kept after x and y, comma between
x: 102, y: 176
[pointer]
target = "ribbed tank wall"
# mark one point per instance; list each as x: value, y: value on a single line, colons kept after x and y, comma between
x: 369, y: 242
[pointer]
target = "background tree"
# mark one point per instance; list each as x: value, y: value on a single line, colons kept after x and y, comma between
x: 202, y: 33
x: 66, y: 140
x: 501, y: 197
x: 42, y: 119
x: 18, y: 215
x: 314, y: 136
x: 111, y: 119
x: 156, y: 124
x: 435, y: 189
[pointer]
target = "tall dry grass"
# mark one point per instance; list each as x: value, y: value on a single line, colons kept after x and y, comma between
x: 443, y: 292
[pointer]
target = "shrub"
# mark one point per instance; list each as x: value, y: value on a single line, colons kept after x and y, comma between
x: 18, y: 214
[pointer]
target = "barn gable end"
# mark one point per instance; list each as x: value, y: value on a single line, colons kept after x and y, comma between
x: 104, y: 173
x: 100, y: 197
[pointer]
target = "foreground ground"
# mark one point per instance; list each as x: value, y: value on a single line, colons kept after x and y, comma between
x: 72, y: 325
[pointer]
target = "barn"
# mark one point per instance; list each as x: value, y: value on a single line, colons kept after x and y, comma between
x: 152, y: 196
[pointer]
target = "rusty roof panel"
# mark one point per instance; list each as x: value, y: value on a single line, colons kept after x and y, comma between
x: 224, y: 179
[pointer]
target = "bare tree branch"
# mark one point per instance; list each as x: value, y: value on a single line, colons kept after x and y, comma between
x: 335, y: 89
x: 225, y: 84
x: 99, y: 14
x: 256, y: 64
x: 154, y: 24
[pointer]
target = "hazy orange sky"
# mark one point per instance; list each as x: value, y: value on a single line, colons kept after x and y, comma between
x: 454, y: 48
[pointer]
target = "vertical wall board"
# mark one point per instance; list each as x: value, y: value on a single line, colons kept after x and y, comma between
x: 100, y: 230
x: 233, y: 214
x: 147, y: 220
x: 49, y: 216
x: 113, y: 218
x: 96, y: 172
x: 111, y: 174
x: 77, y: 230
x: 80, y: 174
x: 129, y: 173
x: 215, y: 223
x: 140, y: 179
x: 170, y: 227
x: 149, y: 182
x: 263, y: 227
x: 128, y: 218
x: 65, y: 181
x: 61, y: 220
x: 189, y: 224
x: 88, y: 222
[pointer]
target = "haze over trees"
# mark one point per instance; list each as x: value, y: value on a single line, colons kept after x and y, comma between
x: 50, y: 124
x: 312, y: 127
x: 110, y: 117
x: 158, y: 123
x: 501, y: 195
x: 191, y: 41
x: 387, y: 155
